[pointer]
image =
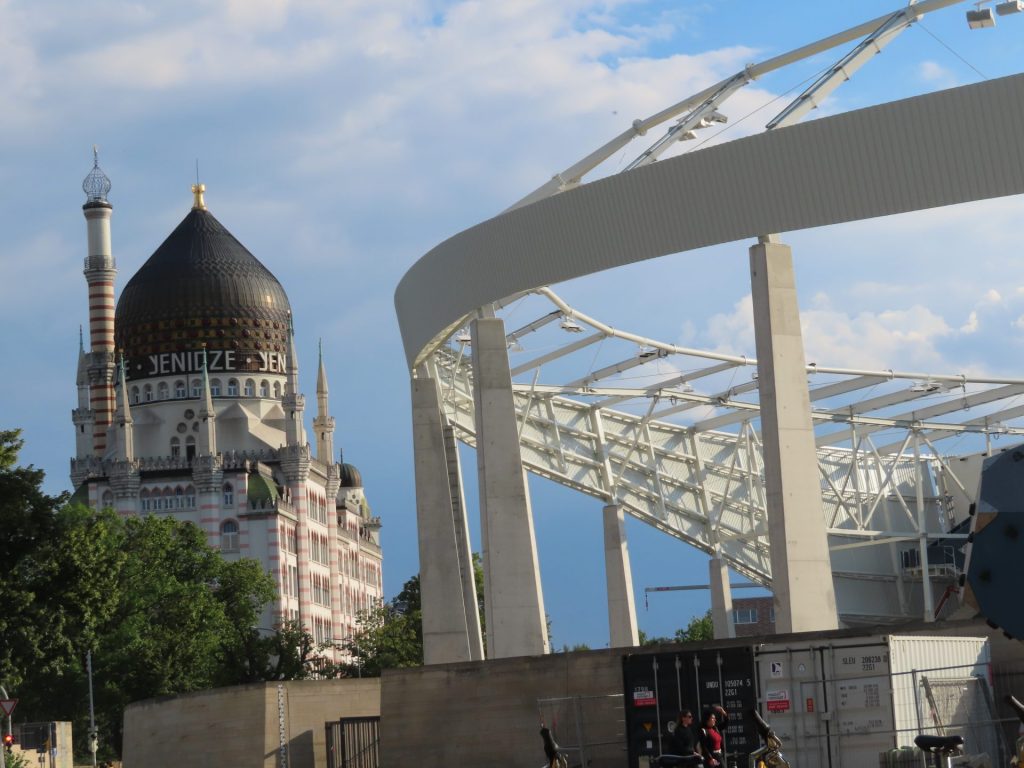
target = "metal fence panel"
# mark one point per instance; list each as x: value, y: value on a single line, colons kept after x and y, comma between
x: 353, y: 742
x: 590, y: 730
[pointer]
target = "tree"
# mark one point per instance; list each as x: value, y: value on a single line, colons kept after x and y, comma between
x: 390, y: 635
x: 27, y: 518
x: 159, y: 610
x: 699, y: 628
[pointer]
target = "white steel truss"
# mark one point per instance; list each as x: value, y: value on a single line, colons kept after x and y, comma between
x: 681, y: 450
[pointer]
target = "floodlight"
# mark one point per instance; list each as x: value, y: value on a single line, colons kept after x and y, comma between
x: 570, y: 325
x: 1013, y: 6
x: 981, y: 18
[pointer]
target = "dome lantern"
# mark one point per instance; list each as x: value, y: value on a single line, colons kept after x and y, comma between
x: 96, y: 184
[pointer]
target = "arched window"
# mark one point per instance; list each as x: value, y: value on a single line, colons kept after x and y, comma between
x: 232, y: 387
x: 250, y: 388
x: 197, y: 388
x: 190, y: 497
x: 190, y: 447
x: 179, y: 497
x: 175, y: 447
x: 277, y: 389
x: 135, y: 394
x: 215, y: 387
x: 229, y: 536
x: 162, y: 391
x: 229, y: 495
x: 147, y: 393
x: 179, y: 389
x: 264, y: 388
x: 108, y: 500
x: 144, y: 500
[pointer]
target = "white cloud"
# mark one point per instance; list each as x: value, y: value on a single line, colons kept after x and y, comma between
x: 936, y: 75
x: 904, y: 339
x: 971, y: 325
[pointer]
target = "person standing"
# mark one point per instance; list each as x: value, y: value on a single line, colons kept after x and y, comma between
x: 713, y: 722
x: 685, y: 742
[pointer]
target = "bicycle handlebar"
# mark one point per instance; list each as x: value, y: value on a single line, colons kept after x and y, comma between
x: 1017, y: 707
x: 763, y: 728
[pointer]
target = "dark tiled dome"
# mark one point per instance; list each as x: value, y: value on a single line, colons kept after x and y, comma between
x: 350, y: 477
x: 201, y: 288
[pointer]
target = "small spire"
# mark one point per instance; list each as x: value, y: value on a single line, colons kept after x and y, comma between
x: 81, y: 340
x: 96, y: 185
x: 321, y: 376
x: 198, y: 204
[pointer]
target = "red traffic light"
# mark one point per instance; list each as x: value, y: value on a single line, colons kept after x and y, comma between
x: 8, y: 739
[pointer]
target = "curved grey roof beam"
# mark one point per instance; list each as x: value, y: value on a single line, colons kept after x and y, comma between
x: 944, y: 148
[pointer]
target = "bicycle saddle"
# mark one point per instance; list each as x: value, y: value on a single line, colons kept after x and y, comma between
x: 939, y: 743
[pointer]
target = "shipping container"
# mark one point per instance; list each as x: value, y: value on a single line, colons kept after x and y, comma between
x: 848, y: 702
x: 660, y: 684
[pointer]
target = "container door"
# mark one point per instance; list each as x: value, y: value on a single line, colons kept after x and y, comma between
x: 793, y: 701
x: 860, y: 700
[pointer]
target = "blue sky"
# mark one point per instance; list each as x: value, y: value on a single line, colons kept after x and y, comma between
x: 341, y: 141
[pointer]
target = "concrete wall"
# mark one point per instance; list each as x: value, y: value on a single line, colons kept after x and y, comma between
x: 486, y: 713
x: 240, y: 725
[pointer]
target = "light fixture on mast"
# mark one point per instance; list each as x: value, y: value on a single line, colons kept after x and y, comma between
x: 981, y: 18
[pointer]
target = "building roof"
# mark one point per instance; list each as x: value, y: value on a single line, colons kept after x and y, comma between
x: 350, y: 477
x: 201, y: 288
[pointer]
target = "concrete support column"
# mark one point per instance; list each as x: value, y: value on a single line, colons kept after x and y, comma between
x: 470, y: 598
x: 516, y: 624
x: 445, y: 632
x: 622, y: 629
x: 801, y: 568
x: 721, y: 598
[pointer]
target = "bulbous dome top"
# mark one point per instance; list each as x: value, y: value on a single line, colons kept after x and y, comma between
x: 202, y: 289
x: 350, y: 477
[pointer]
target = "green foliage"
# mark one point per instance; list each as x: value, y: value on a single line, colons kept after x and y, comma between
x: 699, y: 628
x: 390, y: 636
x: 159, y: 610
x: 16, y: 760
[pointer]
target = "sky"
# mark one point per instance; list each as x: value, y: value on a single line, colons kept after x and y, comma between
x: 340, y: 141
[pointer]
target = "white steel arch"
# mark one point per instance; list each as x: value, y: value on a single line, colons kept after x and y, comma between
x: 688, y: 459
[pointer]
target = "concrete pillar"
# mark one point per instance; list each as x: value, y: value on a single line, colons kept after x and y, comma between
x: 619, y: 576
x: 801, y: 568
x: 721, y: 598
x: 445, y: 634
x: 516, y: 624
x: 461, y: 522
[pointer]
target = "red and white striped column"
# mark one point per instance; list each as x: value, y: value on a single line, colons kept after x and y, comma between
x: 100, y: 271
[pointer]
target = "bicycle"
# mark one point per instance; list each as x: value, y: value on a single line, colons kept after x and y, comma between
x: 770, y: 755
x: 1018, y: 757
x: 555, y: 758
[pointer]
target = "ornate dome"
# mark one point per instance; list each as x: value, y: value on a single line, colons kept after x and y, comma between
x: 202, y: 289
x: 350, y: 477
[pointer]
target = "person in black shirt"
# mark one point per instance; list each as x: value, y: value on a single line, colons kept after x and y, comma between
x: 685, y: 742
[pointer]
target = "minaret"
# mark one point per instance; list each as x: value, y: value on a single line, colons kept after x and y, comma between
x: 100, y: 270
x: 323, y: 424
x: 208, y: 432
x: 295, y: 463
x: 124, y: 448
x: 82, y: 416
x: 294, y: 404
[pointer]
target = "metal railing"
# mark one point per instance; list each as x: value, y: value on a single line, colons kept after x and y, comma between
x: 353, y: 742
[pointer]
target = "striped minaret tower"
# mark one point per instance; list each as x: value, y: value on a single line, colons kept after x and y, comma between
x: 100, y: 271
x: 295, y: 463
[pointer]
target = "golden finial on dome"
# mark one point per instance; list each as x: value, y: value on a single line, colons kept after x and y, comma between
x: 198, y: 204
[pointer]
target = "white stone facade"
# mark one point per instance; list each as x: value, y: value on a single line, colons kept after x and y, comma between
x: 223, y: 446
